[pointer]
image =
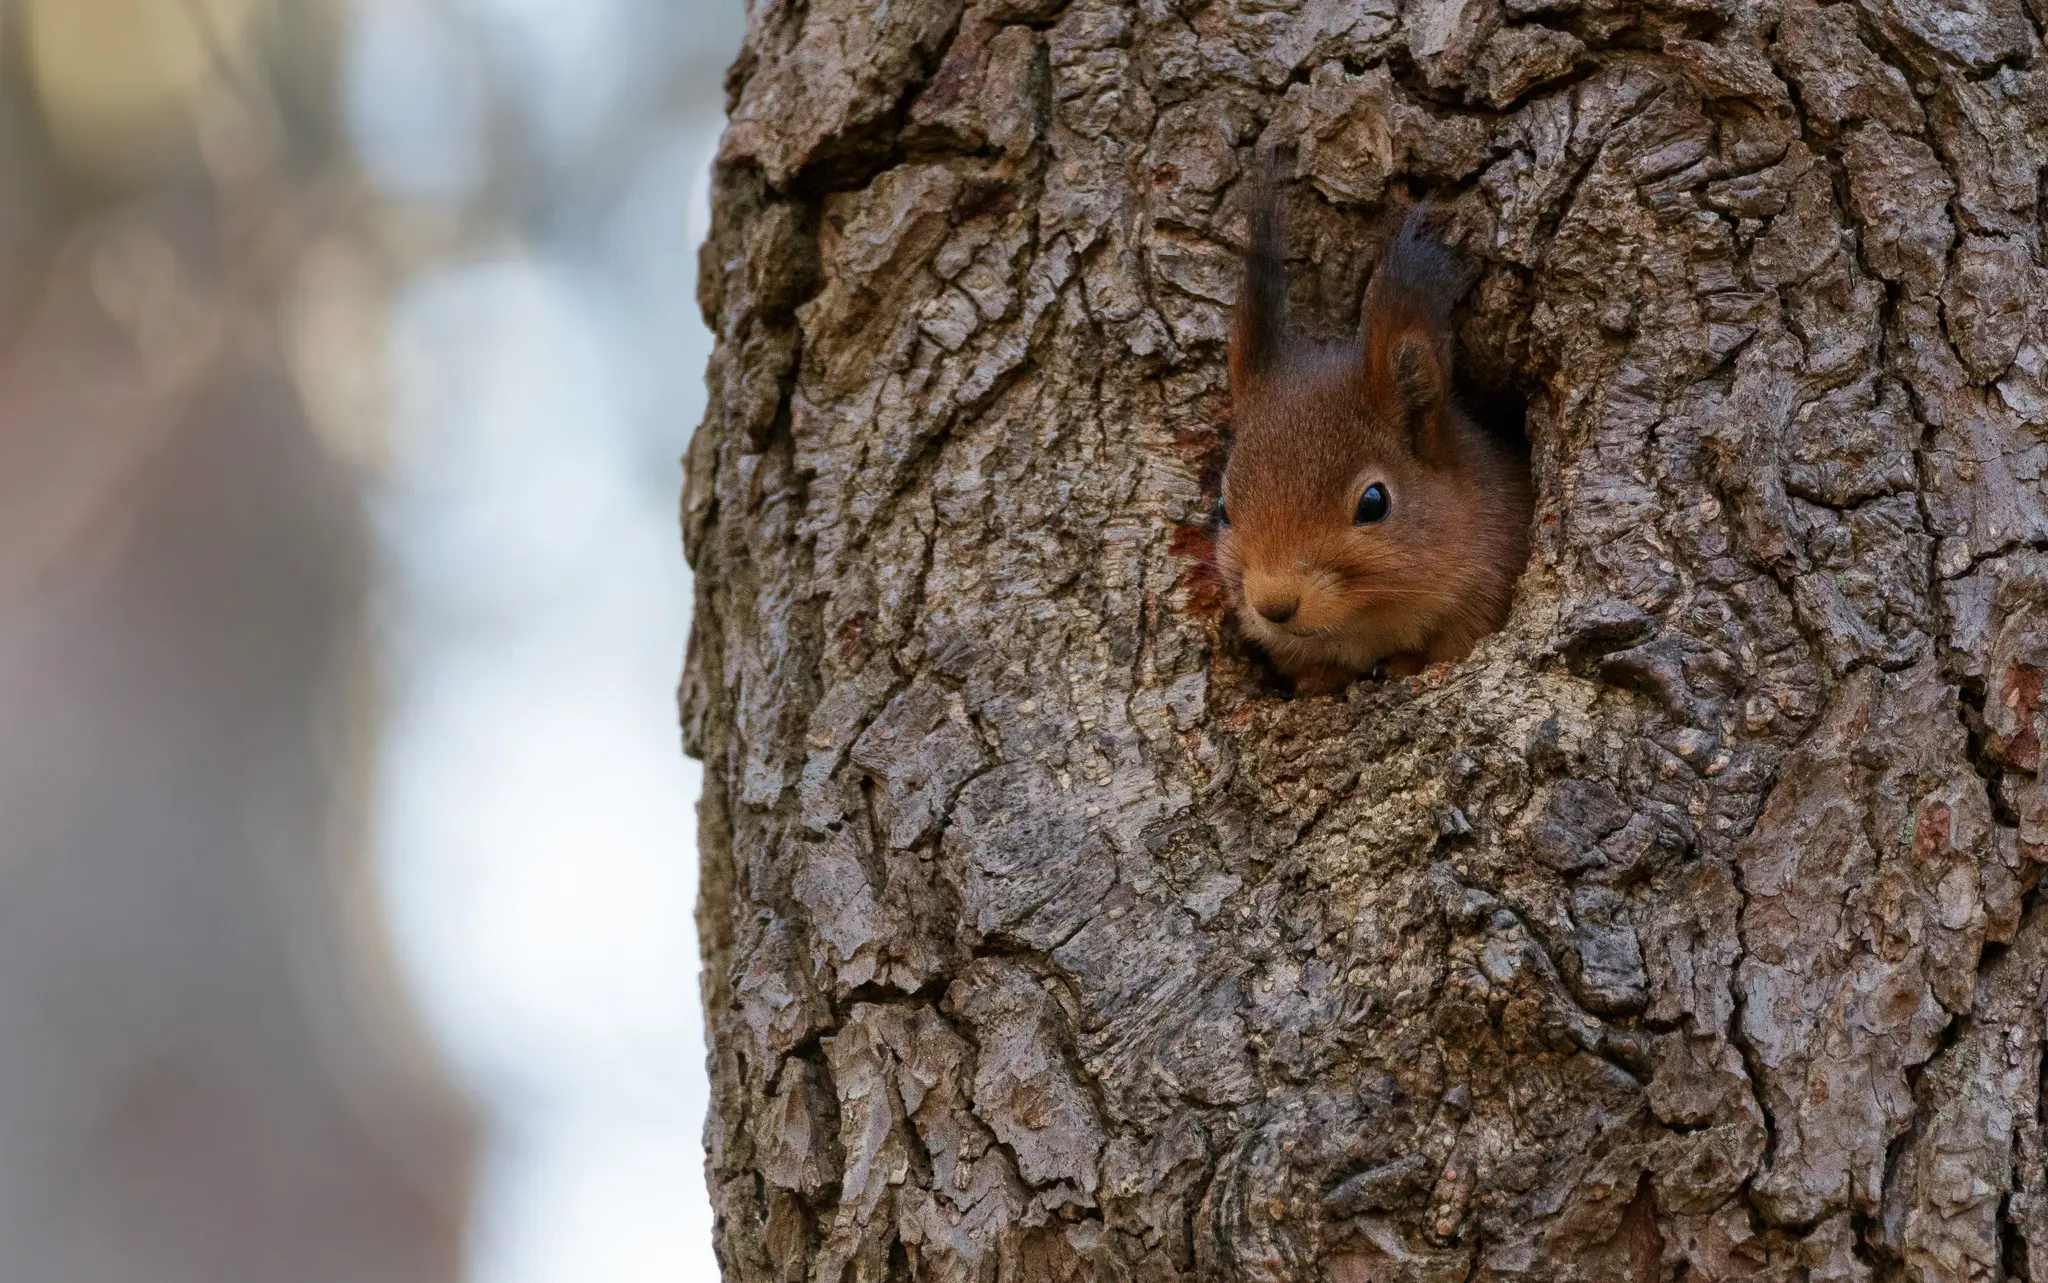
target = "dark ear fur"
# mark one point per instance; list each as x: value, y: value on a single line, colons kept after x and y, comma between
x: 1408, y: 333
x: 1260, y: 324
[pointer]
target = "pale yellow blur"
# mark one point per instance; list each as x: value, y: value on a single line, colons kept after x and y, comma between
x: 131, y: 85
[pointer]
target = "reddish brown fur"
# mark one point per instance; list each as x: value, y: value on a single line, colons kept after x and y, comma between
x: 1314, y: 427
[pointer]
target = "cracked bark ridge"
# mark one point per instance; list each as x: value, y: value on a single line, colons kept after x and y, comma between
x: 1688, y: 930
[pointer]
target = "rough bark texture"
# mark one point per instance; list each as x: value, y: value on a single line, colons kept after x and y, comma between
x: 1686, y: 931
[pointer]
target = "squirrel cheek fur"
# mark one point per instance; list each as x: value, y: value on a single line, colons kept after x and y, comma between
x: 1366, y: 520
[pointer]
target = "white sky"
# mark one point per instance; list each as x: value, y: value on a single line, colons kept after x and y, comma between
x: 536, y: 822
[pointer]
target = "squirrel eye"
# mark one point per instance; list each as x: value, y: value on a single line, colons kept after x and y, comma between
x: 1222, y: 514
x: 1373, y: 505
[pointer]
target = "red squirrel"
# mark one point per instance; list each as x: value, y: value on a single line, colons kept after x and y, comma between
x: 1365, y: 519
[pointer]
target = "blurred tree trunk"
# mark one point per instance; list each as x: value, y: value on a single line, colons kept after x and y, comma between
x: 209, y: 1072
x: 1687, y: 931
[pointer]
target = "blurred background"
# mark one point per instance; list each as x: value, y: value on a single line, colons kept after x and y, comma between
x: 347, y: 352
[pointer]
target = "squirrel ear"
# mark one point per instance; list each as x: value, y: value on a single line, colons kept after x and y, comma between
x: 1408, y: 371
x: 1408, y: 335
x: 1419, y: 375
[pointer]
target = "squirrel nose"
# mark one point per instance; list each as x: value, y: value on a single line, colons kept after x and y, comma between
x: 1280, y: 610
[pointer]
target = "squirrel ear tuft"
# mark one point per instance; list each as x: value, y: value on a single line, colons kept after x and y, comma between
x: 1260, y: 322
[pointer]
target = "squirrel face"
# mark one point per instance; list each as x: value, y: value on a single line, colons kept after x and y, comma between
x: 1330, y: 523
x: 1363, y: 515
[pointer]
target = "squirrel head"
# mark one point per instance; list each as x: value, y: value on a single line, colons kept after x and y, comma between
x: 1350, y: 479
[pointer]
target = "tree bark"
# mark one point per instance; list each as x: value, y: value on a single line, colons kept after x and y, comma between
x: 1687, y: 930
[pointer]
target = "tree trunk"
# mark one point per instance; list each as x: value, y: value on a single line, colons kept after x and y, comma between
x: 1687, y: 930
